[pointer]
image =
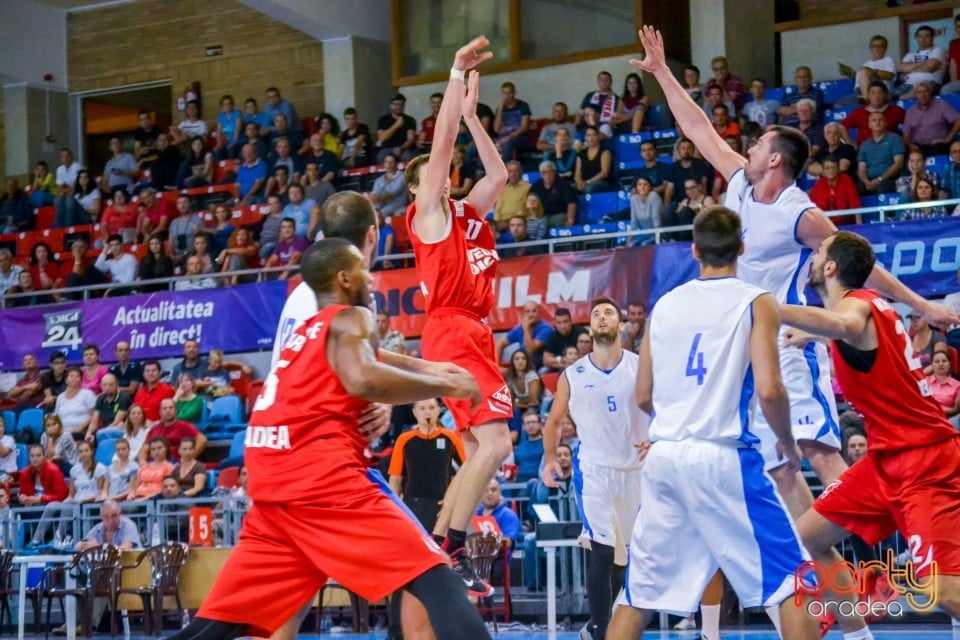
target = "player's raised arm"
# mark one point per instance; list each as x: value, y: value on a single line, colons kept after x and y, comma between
x: 687, y: 113
x: 430, y: 222
x: 485, y: 193
x: 846, y: 321
x: 645, y: 374
x: 765, y: 361
x: 815, y: 227
x: 355, y: 363
x: 551, y: 432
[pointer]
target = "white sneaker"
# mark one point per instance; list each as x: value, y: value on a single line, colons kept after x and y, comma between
x: 686, y: 624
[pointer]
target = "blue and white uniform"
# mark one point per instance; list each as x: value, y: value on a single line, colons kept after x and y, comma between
x: 707, y: 502
x: 775, y: 260
x: 606, y: 465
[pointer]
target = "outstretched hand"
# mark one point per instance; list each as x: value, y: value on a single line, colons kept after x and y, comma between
x: 654, y: 58
x: 469, y: 55
x: 472, y: 96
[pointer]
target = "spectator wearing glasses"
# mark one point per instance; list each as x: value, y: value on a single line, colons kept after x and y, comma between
x: 879, y: 68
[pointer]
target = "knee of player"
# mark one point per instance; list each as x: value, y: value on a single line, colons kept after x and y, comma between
x: 948, y: 595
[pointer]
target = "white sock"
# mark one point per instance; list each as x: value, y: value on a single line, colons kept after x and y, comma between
x: 773, y: 611
x: 711, y: 621
x: 862, y: 634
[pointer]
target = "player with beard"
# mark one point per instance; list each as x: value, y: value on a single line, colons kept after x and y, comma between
x: 909, y: 479
x: 598, y: 391
x: 781, y: 230
x: 305, y: 420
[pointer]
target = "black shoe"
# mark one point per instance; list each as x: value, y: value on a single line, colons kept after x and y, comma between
x: 476, y: 587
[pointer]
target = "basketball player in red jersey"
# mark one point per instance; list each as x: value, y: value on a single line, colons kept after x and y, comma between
x: 317, y: 512
x: 457, y: 263
x: 910, y: 478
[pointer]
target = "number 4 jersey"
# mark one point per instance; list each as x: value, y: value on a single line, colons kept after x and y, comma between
x: 457, y: 271
x: 891, y: 393
x: 700, y: 348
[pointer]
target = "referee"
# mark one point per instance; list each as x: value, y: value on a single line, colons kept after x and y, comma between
x: 424, y: 461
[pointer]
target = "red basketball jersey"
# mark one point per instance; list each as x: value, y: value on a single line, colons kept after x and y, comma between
x: 303, y: 429
x: 893, y: 397
x: 458, y: 271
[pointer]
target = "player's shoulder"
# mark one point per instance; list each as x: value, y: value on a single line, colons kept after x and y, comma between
x: 404, y: 438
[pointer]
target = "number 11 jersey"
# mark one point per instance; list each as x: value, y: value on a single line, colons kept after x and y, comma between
x: 702, y: 378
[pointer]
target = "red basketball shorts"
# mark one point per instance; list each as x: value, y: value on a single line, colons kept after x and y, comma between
x: 467, y: 342
x: 916, y: 491
x: 286, y: 552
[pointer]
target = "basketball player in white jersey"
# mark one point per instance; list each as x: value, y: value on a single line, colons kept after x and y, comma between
x: 598, y: 392
x: 782, y: 228
x: 708, y: 358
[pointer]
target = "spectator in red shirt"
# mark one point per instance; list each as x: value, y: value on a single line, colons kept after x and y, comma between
x: 733, y: 88
x: 119, y: 217
x: 152, y: 215
x: 28, y: 392
x: 153, y: 392
x: 878, y: 99
x: 48, y: 474
x: 953, y: 62
x: 173, y: 430
x: 835, y: 190
x: 427, y: 124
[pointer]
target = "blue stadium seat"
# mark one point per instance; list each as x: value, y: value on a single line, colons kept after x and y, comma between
x: 869, y: 201
x: 953, y: 99
x: 666, y: 134
x: 9, y: 421
x: 659, y: 117
x: 236, y: 446
x: 627, y: 150
x: 594, y: 206
x: 890, y: 199
x: 31, y: 420
x: 105, y: 450
x: 531, y: 176
x: 226, y: 409
x: 906, y: 104
x: 23, y: 456
x: 938, y: 164
x: 836, y: 115
x: 775, y: 93
x: 833, y: 90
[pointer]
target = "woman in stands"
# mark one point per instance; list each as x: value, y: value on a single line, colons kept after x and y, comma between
x: 945, y: 389
x: 223, y: 229
x: 229, y: 128
x: 46, y: 271
x: 44, y: 186
x: 594, y: 164
x: 201, y: 249
x: 525, y: 387
x: 691, y: 83
x: 135, y: 428
x: 120, y: 217
x: 155, y: 265
x: 688, y: 208
x: 533, y: 212
x: 215, y: 378
x: 646, y: 210
x: 26, y: 284
x: 632, y: 106
x: 87, y: 195
x: 121, y: 471
x: 924, y: 191
x: 917, y: 169
x: 189, y: 404
x: 197, y: 168
x: 925, y: 340
x: 8, y: 453
x: 462, y: 175
x: 58, y: 447
x: 329, y: 128
x: 149, y: 479
x: 74, y: 407
x: 242, y: 252
x: 87, y: 482
x: 835, y: 191
x: 563, y: 155
x: 191, y: 474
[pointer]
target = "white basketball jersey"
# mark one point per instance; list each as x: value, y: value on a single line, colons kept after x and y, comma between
x: 700, y: 348
x: 603, y: 404
x: 773, y: 257
x: 300, y: 305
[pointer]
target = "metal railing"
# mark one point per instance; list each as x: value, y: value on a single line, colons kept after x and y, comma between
x: 617, y: 238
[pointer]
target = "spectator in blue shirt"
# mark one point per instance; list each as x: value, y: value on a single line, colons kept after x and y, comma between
x: 276, y: 105
x: 531, y: 334
x: 512, y: 123
x: 251, y: 176
x: 304, y: 213
x: 492, y: 504
x: 230, y: 126
x: 951, y: 176
x: 251, y: 114
x: 881, y: 158
x: 529, y: 452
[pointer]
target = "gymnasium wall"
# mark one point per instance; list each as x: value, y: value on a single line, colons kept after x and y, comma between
x: 154, y: 40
